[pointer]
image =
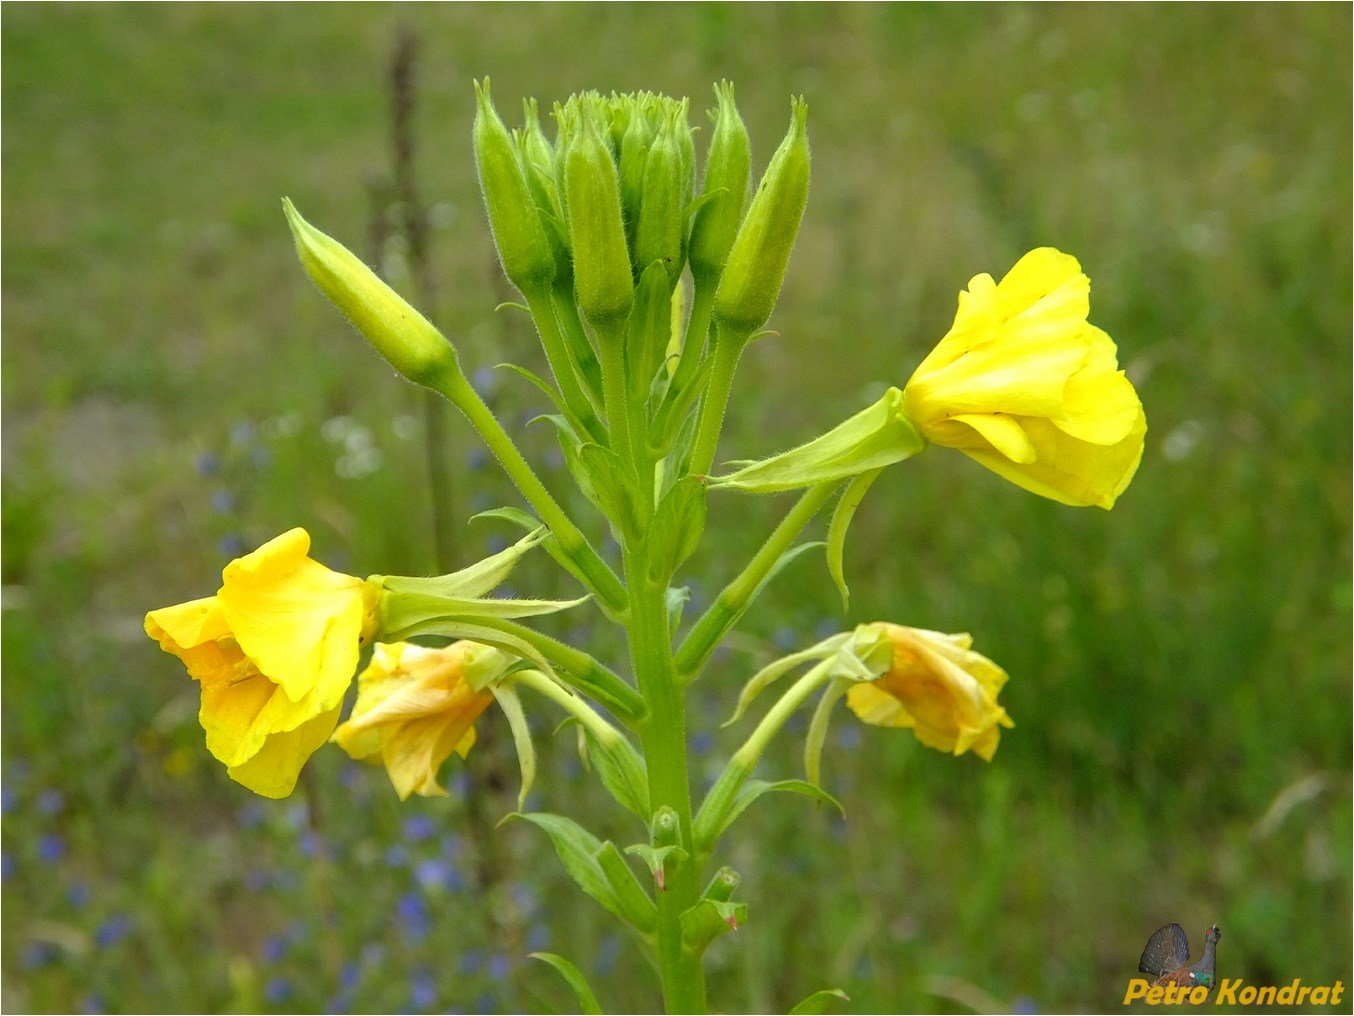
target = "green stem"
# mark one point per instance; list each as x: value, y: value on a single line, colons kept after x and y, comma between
x: 728, y: 348
x: 586, y: 673
x: 663, y: 734
x: 601, y: 580
x: 585, y: 357
x: 616, y: 395
x: 572, y: 704
x: 562, y: 362
x: 735, y: 598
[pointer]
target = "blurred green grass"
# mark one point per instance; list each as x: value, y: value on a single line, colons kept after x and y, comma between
x: 174, y: 389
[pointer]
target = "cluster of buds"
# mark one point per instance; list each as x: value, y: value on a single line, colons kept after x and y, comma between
x: 615, y: 193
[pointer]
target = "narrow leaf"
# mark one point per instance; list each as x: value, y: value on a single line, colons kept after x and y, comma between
x: 819, y: 1002
x: 841, y: 521
x: 677, y: 527
x: 622, y: 772
x: 555, y: 398
x: 577, y: 849
x: 754, y: 789
x: 587, y: 1001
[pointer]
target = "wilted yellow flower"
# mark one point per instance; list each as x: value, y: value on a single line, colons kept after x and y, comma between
x: 1024, y: 384
x: 940, y: 688
x: 274, y: 650
x: 415, y: 706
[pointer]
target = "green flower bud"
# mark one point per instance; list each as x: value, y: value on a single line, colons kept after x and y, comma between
x: 538, y: 159
x: 636, y: 140
x: 658, y: 234
x: 602, y: 279
x: 401, y: 334
x: 518, y: 230
x: 727, y: 168
x: 756, y: 263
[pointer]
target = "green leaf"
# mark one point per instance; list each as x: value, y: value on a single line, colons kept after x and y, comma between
x: 611, y: 485
x: 577, y: 849
x: 677, y: 526
x: 587, y: 1001
x: 720, y: 810
x: 819, y: 1002
x: 555, y: 399
x: 841, y: 521
x: 622, y: 772
x: 638, y: 904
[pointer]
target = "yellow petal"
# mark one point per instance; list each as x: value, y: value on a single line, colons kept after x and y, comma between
x: 301, y: 623
x: 1003, y: 433
x: 1042, y: 280
x: 274, y: 769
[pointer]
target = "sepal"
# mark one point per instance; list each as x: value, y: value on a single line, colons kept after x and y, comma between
x: 877, y: 436
x: 506, y: 695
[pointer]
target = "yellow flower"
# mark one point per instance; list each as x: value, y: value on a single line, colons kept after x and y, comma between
x: 415, y: 706
x: 274, y: 650
x: 1024, y: 384
x: 940, y: 688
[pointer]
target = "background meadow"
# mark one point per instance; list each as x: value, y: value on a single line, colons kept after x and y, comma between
x: 176, y: 392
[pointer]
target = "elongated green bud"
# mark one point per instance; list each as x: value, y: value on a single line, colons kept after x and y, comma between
x: 538, y: 159
x: 658, y: 234
x: 756, y: 264
x: 602, y: 280
x: 518, y: 231
x: 401, y: 334
x: 636, y: 140
x: 725, y: 188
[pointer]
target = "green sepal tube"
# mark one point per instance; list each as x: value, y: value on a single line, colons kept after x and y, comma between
x: 400, y: 333
x: 520, y: 235
x: 602, y: 280
x: 728, y: 165
x: 662, y: 216
x: 756, y: 264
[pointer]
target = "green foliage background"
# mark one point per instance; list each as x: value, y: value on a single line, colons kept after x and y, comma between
x: 175, y: 391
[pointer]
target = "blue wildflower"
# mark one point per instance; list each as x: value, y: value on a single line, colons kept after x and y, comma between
x: 415, y: 921
x: 422, y: 991
x: 112, y: 931
x: 50, y: 802
x: 499, y: 966
x: 51, y: 848
x: 277, y: 990
x: 274, y: 949
x: 418, y: 828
